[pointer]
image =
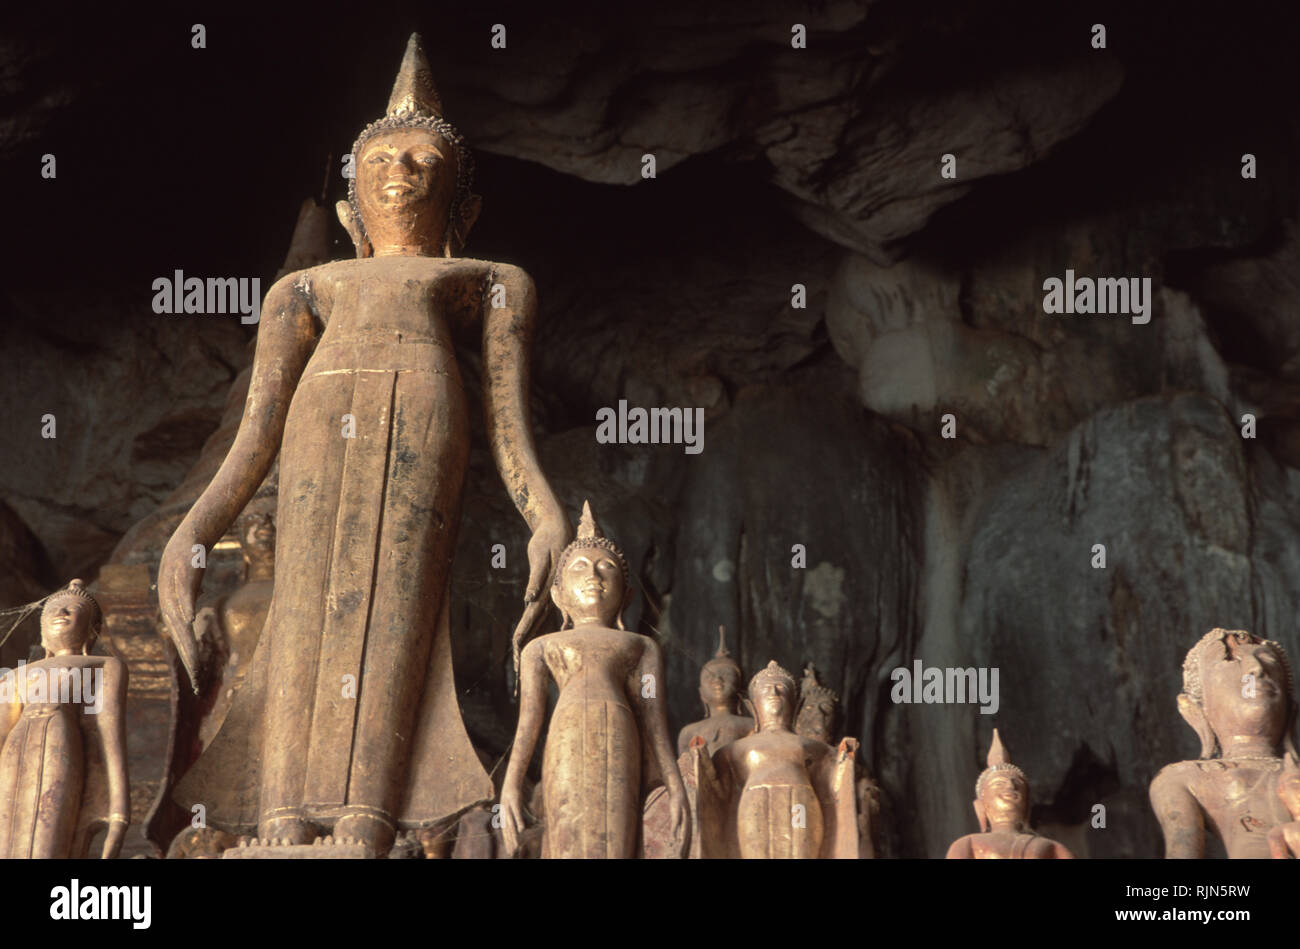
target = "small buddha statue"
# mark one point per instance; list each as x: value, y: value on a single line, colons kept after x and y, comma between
x: 774, y: 794
x: 816, y: 719
x: 1284, y: 839
x: 610, y: 706
x: 720, y: 693
x: 1002, y: 808
x: 1238, y: 696
x: 233, y: 624
x: 63, y: 728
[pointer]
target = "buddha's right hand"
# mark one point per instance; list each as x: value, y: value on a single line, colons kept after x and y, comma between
x: 178, y: 587
x: 512, y: 818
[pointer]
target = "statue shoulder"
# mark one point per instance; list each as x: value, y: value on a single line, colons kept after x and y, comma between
x: 1174, y: 777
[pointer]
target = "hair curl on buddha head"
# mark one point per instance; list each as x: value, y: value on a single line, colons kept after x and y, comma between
x: 773, y: 671
x: 75, y: 590
x: 1192, y: 684
x: 414, y: 104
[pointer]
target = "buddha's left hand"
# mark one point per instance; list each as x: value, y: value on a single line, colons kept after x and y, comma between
x: 552, y: 535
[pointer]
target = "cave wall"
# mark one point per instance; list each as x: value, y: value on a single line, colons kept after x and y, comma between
x: 776, y: 167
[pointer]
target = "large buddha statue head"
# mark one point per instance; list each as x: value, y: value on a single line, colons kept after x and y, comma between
x: 1238, y: 695
x: 817, y: 706
x: 772, y: 694
x: 592, y: 583
x: 412, y: 172
x: 1001, y: 791
x: 720, y: 678
x: 70, y: 621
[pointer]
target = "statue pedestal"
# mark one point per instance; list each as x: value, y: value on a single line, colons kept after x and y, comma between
x: 316, y: 851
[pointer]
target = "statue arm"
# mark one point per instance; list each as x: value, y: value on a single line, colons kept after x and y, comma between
x: 12, y: 710
x: 507, y: 343
x: 961, y: 849
x: 111, y: 721
x: 1180, y: 816
x: 1277, y: 847
x: 532, y: 709
x: 840, y: 791
x: 285, y: 338
x: 654, y: 722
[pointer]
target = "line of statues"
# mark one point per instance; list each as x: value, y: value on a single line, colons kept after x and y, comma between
x: 330, y: 724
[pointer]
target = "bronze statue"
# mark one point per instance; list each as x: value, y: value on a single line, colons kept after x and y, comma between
x: 1002, y: 808
x: 1284, y: 839
x: 63, y: 772
x: 720, y: 693
x: 1238, y: 696
x: 347, y: 724
x: 610, y: 707
x: 232, y: 625
x: 773, y: 793
x: 816, y: 720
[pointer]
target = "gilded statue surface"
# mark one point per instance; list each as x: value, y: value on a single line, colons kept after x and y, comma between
x: 1284, y: 839
x: 232, y: 625
x: 816, y: 719
x: 720, y: 694
x: 63, y: 773
x: 774, y: 794
x: 1002, y: 809
x: 347, y: 726
x: 609, y: 713
x: 1239, y: 697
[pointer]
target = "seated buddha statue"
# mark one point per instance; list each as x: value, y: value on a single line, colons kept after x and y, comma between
x: 720, y: 693
x: 1238, y: 696
x: 1002, y: 808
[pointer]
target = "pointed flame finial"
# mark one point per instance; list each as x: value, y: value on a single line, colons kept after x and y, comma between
x: 414, y: 95
x: 997, y: 751
x: 588, y: 529
x: 722, y: 652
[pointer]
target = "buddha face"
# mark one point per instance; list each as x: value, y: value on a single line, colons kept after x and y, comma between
x: 405, y: 185
x: 257, y: 536
x: 1005, y: 797
x: 65, y: 624
x: 815, y: 720
x: 591, y: 586
x: 773, y: 698
x: 719, y: 683
x: 1244, y: 691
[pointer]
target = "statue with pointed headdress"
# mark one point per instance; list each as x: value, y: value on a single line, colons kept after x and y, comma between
x: 1002, y: 808
x: 346, y: 727
x: 720, y: 692
x: 609, y: 715
x: 774, y: 794
x: 1239, y: 697
x: 816, y: 718
x: 63, y: 774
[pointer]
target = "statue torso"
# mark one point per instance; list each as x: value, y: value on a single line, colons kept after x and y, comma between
x: 593, y: 663
x: 1239, y: 797
x: 717, y: 730
x: 414, y: 296
x: 774, y: 759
